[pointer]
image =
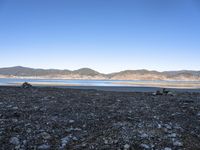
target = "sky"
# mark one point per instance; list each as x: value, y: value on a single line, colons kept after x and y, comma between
x: 105, y: 35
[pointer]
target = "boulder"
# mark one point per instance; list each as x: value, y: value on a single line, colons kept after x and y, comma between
x: 26, y: 85
x: 163, y: 92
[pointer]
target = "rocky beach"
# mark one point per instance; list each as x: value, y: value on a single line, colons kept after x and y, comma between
x: 56, y: 118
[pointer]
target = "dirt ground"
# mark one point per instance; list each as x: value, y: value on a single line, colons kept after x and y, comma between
x: 56, y: 118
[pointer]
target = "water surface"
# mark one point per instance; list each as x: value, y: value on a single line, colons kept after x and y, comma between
x: 113, y: 83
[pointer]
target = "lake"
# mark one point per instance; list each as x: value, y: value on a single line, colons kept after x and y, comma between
x: 62, y: 82
x: 106, y: 83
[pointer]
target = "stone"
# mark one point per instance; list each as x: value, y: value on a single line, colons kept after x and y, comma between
x: 178, y: 143
x: 105, y: 141
x: 24, y: 142
x: 159, y: 126
x: 45, y: 135
x: 15, y: 108
x: 73, y: 129
x: 26, y: 85
x: 29, y: 130
x: 126, y: 146
x: 84, y: 145
x: 173, y: 135
x: 163, y: 92
x: 168, y: 127
x: 167, y: 148
x: 14, y: 120
x: 65, y: 141
x: 145, y: 146
x: 71, y: 121
x: 144, y: 135
x: 14, y: 141
x: 44, y: 146
x: 74, y: 138
x: 9, y: 106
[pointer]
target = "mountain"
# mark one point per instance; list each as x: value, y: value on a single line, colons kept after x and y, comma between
x: 23, y: 71
x: 137, y: 75
x: 87, y: 73
x: 155, y: 75
x: 19, y: 71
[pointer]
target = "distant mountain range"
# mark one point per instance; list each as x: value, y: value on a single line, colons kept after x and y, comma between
x: 87, y: 73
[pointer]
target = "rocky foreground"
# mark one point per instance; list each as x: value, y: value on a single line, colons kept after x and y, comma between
x: 50, y: 118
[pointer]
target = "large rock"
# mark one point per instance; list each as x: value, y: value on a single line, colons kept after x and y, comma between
x: 14, y: 141
x: 26, y: 85
x: 163, y: 92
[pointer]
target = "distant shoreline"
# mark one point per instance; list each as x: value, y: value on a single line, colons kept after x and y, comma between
x: 93, y: 79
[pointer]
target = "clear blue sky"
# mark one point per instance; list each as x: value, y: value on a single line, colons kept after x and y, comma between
x: 106, y: 35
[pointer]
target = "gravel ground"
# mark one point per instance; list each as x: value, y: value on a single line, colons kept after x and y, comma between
x: 53, y: 118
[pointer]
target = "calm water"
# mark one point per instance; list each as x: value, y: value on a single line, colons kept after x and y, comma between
x: 63, y: 82
x: 91, y: 82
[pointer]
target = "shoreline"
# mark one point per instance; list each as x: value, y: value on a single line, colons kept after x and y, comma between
x: 164, y: 84
x: 98, y: 79
x: 113, y: 88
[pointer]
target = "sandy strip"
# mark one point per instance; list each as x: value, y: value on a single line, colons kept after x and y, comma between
x: 162, y: 84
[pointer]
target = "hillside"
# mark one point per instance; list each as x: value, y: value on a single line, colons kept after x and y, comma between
x: 87, y: 73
